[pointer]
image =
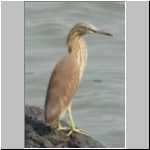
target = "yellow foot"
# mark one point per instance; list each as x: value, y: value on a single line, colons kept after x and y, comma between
x: 77, y: 131
x: 61, y: 128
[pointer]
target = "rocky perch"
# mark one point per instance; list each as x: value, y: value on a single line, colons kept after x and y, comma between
x: 40, y: 135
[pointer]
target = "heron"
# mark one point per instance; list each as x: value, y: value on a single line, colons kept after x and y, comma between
x: 66, y: 77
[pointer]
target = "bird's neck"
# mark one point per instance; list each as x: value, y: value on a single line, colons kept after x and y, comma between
x: 78, y: 48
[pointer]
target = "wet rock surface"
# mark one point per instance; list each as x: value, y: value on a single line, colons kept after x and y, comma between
x: 40, y: 135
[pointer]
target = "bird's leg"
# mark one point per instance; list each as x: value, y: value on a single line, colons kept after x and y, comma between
x: 59, y: 127
x: 73, y: 129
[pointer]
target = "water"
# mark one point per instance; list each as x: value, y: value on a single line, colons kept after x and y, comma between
x: 99, y: 104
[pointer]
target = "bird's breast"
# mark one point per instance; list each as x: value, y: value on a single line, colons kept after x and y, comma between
x: 81, y: 59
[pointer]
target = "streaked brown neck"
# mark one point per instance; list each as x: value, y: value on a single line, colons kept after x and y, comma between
x: 77, y: 46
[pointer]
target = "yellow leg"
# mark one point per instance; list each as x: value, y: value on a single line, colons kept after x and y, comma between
x: 59, y: 127
x: 73, y: 129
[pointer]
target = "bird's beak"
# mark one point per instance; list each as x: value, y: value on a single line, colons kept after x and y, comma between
x: 102, y: 32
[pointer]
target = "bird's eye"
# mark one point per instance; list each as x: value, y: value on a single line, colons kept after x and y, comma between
x: 86, y: 28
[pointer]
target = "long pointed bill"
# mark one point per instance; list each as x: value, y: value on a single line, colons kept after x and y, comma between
x: 102, y: 32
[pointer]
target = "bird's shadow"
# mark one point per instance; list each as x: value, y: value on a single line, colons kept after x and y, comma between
x: 41, y: 128
x: 38, y: 126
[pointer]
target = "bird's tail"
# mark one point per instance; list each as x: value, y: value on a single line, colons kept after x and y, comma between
x: 52, y: 112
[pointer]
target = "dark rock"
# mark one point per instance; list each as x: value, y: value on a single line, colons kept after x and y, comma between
x: 40, y: 135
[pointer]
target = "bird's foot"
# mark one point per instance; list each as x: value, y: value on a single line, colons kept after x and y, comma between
x: 77, y: 131
x: 61, y: 128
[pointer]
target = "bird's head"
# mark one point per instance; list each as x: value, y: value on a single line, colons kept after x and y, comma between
x: 74, y: 38
x: 86, y: 28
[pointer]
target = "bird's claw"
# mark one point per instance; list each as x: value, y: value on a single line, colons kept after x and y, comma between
x: 61, y: 128
x: 77, y: 131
